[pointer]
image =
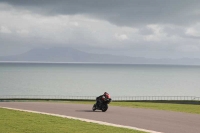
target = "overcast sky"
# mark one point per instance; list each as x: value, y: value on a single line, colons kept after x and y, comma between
x: 138, y: 28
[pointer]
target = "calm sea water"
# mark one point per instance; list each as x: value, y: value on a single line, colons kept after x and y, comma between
x: 93, y: 79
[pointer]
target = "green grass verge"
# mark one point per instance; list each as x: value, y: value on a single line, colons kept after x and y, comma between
x: 23, y: 122
x: 187, y: 108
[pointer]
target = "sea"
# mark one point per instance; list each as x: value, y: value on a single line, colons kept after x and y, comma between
x: 92, y: 79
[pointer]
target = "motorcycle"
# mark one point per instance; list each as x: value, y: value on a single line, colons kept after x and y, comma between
x: 103, y: 106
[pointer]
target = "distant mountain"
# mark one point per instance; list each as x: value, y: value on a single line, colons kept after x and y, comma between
x: 60, y: 54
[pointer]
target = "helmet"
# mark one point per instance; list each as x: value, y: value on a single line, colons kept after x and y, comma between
x: 106, y: 95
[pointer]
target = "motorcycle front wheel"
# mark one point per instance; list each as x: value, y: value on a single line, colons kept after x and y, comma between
x: 104, y: 107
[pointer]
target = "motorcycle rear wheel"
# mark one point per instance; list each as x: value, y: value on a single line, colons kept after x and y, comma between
x: 94, y: 107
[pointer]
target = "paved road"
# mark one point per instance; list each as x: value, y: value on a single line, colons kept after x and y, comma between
x: 161, y: 121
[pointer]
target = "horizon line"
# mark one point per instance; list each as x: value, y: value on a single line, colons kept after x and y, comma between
x: 106, y: 63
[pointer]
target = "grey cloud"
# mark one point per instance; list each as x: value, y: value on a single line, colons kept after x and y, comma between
x: 191, y: 37
x: 174, y: 31
x: 119, y: 12
x: 45, y: 27
x: 145, y: 31
x: 179, y: 31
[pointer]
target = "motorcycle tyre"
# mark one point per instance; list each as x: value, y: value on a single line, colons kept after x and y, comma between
x: 104, y: 108
x: 94, y: 107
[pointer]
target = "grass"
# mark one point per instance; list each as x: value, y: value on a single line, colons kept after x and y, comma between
x: 177, y: 107
x: 17, y: 122
x: 23, y: 122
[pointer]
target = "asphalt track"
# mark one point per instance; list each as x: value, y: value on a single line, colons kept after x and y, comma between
x: 155, y: 120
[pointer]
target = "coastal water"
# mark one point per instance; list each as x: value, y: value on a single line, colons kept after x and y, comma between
x: 72, y: 79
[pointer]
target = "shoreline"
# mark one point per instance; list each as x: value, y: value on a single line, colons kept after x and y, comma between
x: 96, y: 63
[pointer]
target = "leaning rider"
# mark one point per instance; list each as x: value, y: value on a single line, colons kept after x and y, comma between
x: 101, y: 98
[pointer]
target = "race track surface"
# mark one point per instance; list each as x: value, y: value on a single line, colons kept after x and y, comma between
x: 156, y: 120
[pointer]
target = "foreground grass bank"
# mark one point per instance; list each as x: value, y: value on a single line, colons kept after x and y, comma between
x: 23, y: 122
x: 187, y: 108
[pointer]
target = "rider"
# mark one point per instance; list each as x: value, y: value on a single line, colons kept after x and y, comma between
x: 101, y: 98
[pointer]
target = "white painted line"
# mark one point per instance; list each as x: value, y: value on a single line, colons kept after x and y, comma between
x: 85, y: 120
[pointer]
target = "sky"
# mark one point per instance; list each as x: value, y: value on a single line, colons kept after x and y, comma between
x: 136, y: 28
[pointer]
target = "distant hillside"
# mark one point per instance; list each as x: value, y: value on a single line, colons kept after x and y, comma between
x: 60, y: 54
